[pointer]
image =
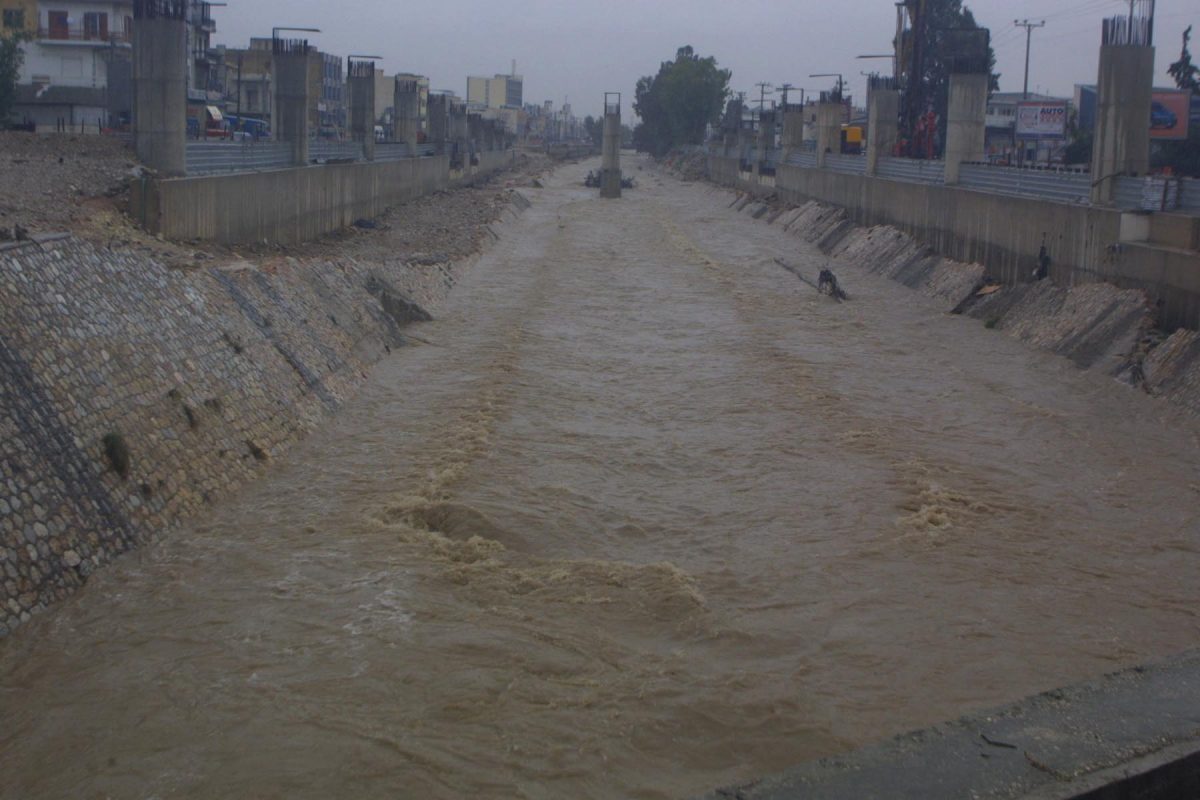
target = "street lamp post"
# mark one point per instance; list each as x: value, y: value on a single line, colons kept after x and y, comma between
x: 837, y: 75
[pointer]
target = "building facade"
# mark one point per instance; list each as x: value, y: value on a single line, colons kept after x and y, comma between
x: 501, y: 91
x: 77, y: 72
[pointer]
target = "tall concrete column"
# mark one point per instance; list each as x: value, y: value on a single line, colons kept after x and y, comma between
x: 744, y: 143
x: 361, y: 80
x: 829, y: 129
x: 610, y: 151
x: 474, y: 134
x: 766, y: 137
x: 407, y: 103
x: 291, y: 68
x: 439, y: 122
x: 1122, y: 136
x: 160, y: 58
x: 966, y: 121
x: 883, y: 113
x: 458, y: 135
x: 793, y: 130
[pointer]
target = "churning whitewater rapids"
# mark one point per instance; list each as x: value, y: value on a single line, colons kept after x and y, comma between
x: 645, y: 516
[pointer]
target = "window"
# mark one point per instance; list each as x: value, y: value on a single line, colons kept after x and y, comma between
x: 95, y: 25
x: 14, y: 18
x: 58, y: 25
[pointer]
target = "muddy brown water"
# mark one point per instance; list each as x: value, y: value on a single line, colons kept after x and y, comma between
x: 645, y: 517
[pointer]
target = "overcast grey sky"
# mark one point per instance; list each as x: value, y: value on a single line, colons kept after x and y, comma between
x: 566, y: 48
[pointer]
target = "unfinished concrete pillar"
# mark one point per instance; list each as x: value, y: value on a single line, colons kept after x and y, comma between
x: 829, y: 128
x: 610, y: 151
x: 966, y: 121
x: 457, y: 125
x: 291, y: 59
x: 766, y: 137
x: 361, y: 80
x: 883, y: 114
x: 439, y: 122
x: 407, y: 102
x: 160, y: 59
x: 792, y: 138
x: 475, y: 135
x: 1122, y: 135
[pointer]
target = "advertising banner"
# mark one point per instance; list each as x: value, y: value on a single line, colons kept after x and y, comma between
x: 1169, y: 112
x: 1041, y: 120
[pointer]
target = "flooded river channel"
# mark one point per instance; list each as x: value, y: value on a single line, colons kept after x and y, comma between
x: 646, y: 515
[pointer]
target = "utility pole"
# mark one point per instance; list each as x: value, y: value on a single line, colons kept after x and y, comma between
x: 1029, y: 26
x: 762, y: 95
x: 785, y: 88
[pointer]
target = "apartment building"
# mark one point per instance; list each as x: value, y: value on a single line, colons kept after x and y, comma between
x: 77, y: 71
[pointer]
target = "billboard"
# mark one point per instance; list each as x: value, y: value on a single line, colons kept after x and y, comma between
x: 1042, y: 119
x: 1169, y: 111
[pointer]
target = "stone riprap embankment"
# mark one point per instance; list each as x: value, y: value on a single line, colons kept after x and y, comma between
x: 1096, y: 325
x: 133, y: 394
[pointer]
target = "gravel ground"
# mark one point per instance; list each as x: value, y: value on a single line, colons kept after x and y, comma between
x: 51, y: 182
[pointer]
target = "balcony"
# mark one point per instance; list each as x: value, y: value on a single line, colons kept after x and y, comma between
x: 79, y: 35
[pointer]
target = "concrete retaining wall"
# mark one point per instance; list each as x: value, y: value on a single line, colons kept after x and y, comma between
x: 293, y: 205
x: 1003, y: 233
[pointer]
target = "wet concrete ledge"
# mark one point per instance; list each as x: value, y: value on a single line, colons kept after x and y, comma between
x: 1133, y: 735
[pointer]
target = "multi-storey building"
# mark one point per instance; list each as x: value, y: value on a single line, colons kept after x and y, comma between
x: 77, y: 68
x: 501, y: 91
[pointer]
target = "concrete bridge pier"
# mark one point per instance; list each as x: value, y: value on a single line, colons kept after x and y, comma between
x: 361, y: 79
x: 792, y: 138
x: 1122, y: 133
x: 766, y: 137
x: 292, y: 59
x: 883, y: 114
x: 829, y: 127
x: 439, y: 122
x: 458, y: 136
x: 610, y: 165
x: 406, y: 100
x: 966, y: 121
x: 160, y: 85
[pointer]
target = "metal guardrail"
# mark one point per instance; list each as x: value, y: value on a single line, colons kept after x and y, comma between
x: 1127, y: 193
x: 838, y: 162
x: 1189, y: 195
x: 206, y: 158
x: 800, y: 158
x: 322, y: 150
x: 1061, y: 185
x: 394, y: 151
x: 915, y: 170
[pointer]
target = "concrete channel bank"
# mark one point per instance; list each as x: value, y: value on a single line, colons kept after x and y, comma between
x: 133, y: 394
x: 1085, y: 314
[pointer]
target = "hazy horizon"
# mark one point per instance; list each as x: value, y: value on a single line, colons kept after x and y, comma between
x: 568, y: 51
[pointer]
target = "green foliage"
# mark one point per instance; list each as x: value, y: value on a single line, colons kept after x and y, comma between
x: 11, y: 58
x: 1182, y: 157
x: 943, y: 17
x: 1185, y: 73
x: 595, y: 130
x: 677, y: 105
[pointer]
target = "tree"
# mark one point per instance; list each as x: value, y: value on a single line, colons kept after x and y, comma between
x: 594, y: 129
x: 11, y: 58
x: 1185, y: 73
x: 677, y: 105
x: 1183, y: 157
x: 940, y: 24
